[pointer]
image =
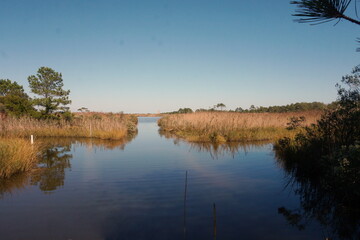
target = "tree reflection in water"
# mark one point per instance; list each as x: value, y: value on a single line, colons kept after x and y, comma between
x: 55, y: 159
x: 13, y: 184
x: 216, y: 150
x: 328, y: 194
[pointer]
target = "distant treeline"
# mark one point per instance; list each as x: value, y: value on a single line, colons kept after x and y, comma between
x: 181, y: 110
x: 294, y: 107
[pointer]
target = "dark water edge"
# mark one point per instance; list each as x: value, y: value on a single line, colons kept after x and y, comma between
x: 135, y: 190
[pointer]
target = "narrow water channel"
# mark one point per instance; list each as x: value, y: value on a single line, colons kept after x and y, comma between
x: 92, y: 189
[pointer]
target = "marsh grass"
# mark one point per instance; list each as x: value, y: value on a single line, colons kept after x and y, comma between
x: 229, y: 127
x: 16, y: 155
x: 90, y: 125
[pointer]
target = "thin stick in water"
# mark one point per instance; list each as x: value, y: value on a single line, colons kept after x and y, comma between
x: 185, y: 192
x: 214, y: 212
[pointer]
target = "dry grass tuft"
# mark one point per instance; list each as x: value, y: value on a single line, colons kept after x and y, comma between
x: 229, y: 127
x: 16, y: 155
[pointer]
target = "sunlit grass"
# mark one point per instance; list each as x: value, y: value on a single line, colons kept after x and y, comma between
x: 91, y: 125
x: 230, y: 127
x: 19, y: 155
x: 16, y: 155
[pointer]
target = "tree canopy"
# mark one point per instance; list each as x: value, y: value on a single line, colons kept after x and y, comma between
x: 13, y: 99
x: 220, y: 105
x: 7, y: 87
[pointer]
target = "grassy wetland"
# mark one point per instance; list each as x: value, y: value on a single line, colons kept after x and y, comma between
x: 89, y: 125
x: 17, y: 154
x: 231, y: 126
x: 48, y: 115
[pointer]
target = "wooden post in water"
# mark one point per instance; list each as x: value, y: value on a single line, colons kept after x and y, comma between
x: 185, y: 192
x: 214, y: 212
x: 32, y: 139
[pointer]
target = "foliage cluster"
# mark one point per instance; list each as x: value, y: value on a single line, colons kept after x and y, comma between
x: 325, y: 163
x: 181, y: 110
x: 50, y: 103
x: 320, y: 11
x: 296, y: 122
x: 49, y: 85
x: 336, y: 129
x: 294, y: 107
x: 14, y: 100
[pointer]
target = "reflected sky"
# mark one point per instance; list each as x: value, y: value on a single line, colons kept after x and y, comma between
x: 137, y: 192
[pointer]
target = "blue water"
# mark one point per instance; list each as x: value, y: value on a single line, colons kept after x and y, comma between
x: 99, y: 190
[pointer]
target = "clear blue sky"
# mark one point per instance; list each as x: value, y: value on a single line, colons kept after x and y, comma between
x: 149, y: 56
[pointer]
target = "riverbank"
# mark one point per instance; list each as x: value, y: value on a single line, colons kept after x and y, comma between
x: 89, y: 125
x: 17, y: 154
x: 230, y: 127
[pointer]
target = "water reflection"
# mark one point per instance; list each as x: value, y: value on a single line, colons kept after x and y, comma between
x: 89, y: 143
x: 16, y: 183
x: 163, y: 190
x: 54, y: 160
x: 55, y: 157
x: 217, y: 150
x: 328, y: 195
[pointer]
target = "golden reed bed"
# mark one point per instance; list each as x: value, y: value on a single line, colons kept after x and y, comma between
x: 230, y: 126
x: 16, y: 155
x: 103, y: 126
x: 19, y: 155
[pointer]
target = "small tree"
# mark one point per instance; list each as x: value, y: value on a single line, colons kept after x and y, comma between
x: 221, y: 106
x: 49, y: 84
x: 83, y: 109
x: 239, y: 109
x: 252, y: 108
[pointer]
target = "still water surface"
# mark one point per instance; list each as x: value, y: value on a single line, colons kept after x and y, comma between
x: 92, y: 189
